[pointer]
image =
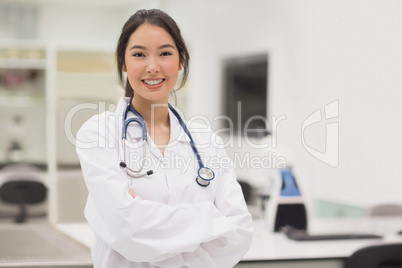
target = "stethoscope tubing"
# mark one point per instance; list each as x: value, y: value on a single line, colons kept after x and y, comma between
x: 192, y: 144
x: 141, y: 121
x: 132, y: 172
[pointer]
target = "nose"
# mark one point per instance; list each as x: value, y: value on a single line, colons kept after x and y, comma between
x: 152, y: 66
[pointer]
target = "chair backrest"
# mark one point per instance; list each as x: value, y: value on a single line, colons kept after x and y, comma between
x: 23, y: 192
x: 377, y: 256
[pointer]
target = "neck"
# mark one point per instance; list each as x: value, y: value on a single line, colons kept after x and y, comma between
x: 154, y: 113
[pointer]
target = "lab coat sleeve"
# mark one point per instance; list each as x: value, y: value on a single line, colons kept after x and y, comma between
x: 138, y: 229
x: 226, y: 251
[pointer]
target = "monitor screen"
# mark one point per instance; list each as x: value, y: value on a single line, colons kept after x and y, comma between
x: 246, y: 94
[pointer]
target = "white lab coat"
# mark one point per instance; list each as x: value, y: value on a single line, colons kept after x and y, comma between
x: 172, y: 221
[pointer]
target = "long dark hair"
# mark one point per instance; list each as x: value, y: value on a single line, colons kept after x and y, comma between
x: 154, y: 17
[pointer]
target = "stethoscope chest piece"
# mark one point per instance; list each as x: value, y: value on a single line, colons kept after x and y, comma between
x: 205, y: 176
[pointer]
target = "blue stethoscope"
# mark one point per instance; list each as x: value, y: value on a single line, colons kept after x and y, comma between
x: 205, y: 174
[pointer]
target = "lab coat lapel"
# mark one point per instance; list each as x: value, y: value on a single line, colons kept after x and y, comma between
x: 177, y: 133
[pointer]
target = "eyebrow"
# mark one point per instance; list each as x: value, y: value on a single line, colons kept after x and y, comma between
x: 144, y: 48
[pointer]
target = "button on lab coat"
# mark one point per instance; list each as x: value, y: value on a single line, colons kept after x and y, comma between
x: 171, y: 221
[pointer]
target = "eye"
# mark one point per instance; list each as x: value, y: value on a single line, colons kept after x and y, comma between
x: 139, y: 54
x: 166, y: 53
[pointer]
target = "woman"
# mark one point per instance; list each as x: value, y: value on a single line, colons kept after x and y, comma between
x: 163, y: 217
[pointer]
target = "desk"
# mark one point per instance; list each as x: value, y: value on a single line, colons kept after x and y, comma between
x: 274, y: 250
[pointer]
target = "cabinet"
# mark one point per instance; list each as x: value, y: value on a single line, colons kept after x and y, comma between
x: 23, y: 105
x: 46, y: 94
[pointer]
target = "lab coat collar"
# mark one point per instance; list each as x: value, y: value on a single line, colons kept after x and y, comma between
x: 121, y: 105
x: 177, y: 133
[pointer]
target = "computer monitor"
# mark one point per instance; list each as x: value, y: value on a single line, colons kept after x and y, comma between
x: 245, y: 83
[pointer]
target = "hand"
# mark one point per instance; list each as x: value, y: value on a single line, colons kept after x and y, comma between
x: 131, y: 193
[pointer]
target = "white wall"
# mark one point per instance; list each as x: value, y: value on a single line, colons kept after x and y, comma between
x: 87, y: 24
x: 81, y: 26
x: 320, y: 52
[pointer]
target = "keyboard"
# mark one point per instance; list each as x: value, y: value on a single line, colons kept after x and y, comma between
x: 303, y: 235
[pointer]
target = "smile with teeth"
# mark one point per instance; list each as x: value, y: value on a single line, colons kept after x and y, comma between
x: 153, y: 82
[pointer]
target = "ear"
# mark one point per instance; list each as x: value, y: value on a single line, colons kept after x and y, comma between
x: 124, y: 68
x: 182, y: 61
x: 181, y: 65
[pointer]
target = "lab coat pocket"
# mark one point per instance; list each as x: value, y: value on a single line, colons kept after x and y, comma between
x: 149, y: 187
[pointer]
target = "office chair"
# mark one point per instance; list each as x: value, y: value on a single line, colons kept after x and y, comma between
x: 21, y: 184
x: 388, y: 209
x: 376, y: 256
x: 246, y: 189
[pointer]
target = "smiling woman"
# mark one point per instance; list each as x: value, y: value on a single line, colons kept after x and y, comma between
x: 170, y: 215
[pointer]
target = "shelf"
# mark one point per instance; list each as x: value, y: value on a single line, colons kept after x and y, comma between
x: 16, y: 63
x: 21, y: 101
x: 85, y: 62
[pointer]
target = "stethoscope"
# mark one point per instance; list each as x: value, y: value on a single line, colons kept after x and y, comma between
x: 205, y: 174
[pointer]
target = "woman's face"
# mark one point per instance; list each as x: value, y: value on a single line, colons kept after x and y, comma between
x: 152, y: 64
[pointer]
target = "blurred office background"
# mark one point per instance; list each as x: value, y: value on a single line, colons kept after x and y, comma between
x: 55, y: 55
